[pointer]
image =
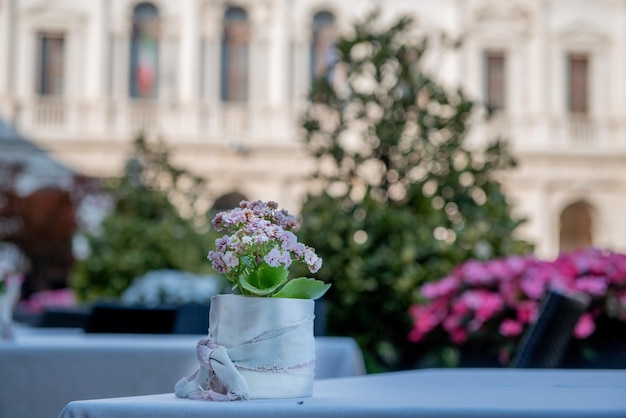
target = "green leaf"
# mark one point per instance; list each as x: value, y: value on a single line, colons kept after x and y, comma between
x: 264, y: 280
x: 303, y: 288
x: 245, y: 260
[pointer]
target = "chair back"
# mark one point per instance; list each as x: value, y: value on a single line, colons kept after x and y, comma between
x: 545, y: 342
x: 130, y: 319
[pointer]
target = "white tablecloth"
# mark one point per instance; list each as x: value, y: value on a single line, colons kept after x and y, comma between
x: 439, y: 393
x: 40, y: 372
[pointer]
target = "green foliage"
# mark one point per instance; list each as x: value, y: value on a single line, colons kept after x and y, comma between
x: 303, y: 288
x: 401, y: 199
x: 264, y: 280
x: 145, y: 230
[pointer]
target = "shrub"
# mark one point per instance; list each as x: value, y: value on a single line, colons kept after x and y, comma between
x: 491, y: 303
x: 145, y: 230
x: 397, y: 197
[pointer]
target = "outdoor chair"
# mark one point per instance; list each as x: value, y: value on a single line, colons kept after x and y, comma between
x: 128, y: 319
x: 545, y: 342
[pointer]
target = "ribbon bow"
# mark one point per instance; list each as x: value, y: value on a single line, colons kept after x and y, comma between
x: 218, y: 378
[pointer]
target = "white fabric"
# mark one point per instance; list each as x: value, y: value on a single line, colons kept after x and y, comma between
x: 8, y: 298
x: 50, y: 367
x: 444, y: 393
x: 257, y: 348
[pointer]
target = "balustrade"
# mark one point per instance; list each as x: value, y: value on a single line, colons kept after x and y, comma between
x: 245, y: 123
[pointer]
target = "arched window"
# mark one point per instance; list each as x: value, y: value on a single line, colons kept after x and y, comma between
x: 323, y: 36
x: 144, y: 52
x: 228, y: 201
x: 234, y: 71
x: 576, y: 227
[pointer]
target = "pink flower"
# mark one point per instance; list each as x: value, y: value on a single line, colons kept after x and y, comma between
x: 592, y: 285
x: 584, y: 327
x: 312, y: 260
x: 504, y: 294
x: 527, y: 311
x: 499, y: 269
x: 452, y: 322
x: 424, y: 322
x: 485, y: 304
x: 60, y: 298
x: 458, y: 336
x: 274, y: 258
x: 460, y: 307
x: 258, y: 234
x: 221, y: 243
x: 476, y: 273
x: 533, y: 287
x: 510, y: 328
x: 442, y: 287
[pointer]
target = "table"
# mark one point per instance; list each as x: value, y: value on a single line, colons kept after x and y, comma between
x: 41, y: 371
x: 441, y: 393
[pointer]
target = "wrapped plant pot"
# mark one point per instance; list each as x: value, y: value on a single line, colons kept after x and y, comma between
x: 260, y: 343
x: 257, y: 348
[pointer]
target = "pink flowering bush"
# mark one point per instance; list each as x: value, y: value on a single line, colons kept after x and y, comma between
x: 493, y: 302
x: 259, y: 249
x: 56, y: 299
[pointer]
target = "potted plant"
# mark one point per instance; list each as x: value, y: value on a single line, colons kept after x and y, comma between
x: 260, y: 342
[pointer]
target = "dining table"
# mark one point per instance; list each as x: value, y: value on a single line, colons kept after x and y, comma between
x: 422, y: 393
x: 43, y: 369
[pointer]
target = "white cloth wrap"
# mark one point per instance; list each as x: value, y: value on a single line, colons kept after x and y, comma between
x: 257, y: 348
x: 8, y: 298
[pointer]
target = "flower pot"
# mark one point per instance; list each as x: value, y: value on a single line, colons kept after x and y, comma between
x: 257, y: 348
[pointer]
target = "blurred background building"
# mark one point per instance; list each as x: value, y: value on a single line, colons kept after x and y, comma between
x: 224, y: 83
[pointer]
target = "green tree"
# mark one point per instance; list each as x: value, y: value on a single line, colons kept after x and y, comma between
x: 398, y: 198
x: 146, y: 229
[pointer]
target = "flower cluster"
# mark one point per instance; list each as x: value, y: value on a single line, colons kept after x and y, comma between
x: 48, y: 299
x: 496, y: 300
x: 259, y: 250
x: 171, y: 287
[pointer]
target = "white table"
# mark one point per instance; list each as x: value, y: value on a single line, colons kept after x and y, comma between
x: 440, y: 393
x: 40, y: 372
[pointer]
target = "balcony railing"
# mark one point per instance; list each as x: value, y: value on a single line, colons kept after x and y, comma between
x: 244, y: 123
x: 567, y: 133
x: 582, y: 131
x: 50, y: 113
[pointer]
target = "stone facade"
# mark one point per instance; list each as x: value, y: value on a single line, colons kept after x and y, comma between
x: 556, y: 67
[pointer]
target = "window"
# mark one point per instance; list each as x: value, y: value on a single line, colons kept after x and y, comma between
x: 144, y: 52
x: 234, y: 71
x: 578, y: 83
x: 51, y: 50
x: 576, y: 227
x: 495, y: 80
x: 323, y: 54
x: 228, y: 201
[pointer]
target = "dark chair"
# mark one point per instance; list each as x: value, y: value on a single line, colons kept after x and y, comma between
x: 192, y: 318
x: 131, y: 319
x: 321, y: 314
x: 545, y: 342
x: 64, y: 318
